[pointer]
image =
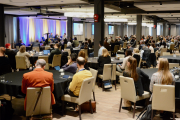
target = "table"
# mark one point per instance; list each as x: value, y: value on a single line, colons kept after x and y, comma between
x: 150, y: 72
x: 34, y: 58
x: 14, y: 88
x: 76, y: 50
x: 29, y: 48
x: 172, y: 59
x: 93, y: 62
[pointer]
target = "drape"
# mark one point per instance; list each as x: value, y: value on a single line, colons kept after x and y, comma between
x: 34, y: 29
x: 10, y: 29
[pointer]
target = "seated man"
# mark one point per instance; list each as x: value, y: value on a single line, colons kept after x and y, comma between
x: 38, y: 78
x: 36, y: 44
x: 11, y: 55
x: 5, y: 66
x: 71, y: 65
x: 75, y: 85
x: 54, y: 52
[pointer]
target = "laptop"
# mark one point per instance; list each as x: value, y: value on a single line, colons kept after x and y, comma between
x: 46, y: 52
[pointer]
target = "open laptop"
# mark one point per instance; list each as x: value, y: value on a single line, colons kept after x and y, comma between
x: 46, y: 52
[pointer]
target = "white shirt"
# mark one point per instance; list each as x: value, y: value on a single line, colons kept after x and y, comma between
x: 152, y: 49
x: 100, y: 51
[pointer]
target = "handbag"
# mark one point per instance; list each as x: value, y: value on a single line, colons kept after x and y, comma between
x: 85, y: 107
x: 48, y: 117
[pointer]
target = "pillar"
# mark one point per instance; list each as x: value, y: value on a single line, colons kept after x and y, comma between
x: 164, y: 29
x: 98, y: 26
x: 2, y: 28
x: 69, y: 27
x: 154, y: 30
x: 169, y: 30
x: 122, y: 30
x: 138, y: 28
x: 134, y: 29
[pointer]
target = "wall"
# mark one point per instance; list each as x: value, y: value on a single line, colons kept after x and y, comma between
x: 173, y: 30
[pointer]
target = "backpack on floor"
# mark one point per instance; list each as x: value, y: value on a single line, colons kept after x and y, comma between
x: 146, y: 113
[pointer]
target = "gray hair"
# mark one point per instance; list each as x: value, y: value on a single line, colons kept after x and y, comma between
x: 41, y: 63
x: 68, y: 44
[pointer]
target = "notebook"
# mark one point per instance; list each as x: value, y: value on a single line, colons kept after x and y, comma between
x: 57, y: 68
x: 46, y: 52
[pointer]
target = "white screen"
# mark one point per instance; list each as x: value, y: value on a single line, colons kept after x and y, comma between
x: 111, y: 30
x: 78, y: 28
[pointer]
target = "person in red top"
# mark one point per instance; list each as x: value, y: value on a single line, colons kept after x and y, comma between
x: 38, y: 78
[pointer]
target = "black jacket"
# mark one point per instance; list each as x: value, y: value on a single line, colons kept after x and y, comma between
x: 103, y: 60
x: 138, y: 83
x: 71, y: 48
x: 137, y: 57
x: 5, y: 66
x: 11, y: 55
x: 53, y: 52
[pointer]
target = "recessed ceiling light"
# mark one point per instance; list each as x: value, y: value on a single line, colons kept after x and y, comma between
x: 127, y: 6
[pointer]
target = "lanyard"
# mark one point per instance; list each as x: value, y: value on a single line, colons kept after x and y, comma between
x: 82, y: 69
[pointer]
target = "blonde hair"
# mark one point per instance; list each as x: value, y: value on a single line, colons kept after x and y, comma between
x: 164, y: 67
x: 136, y: 50
x: 172, y: 40
x: 22, y: 49
x: 105, y: 53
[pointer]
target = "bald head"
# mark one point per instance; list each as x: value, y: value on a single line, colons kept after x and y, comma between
x: 41, y: 63
x: 2, y: 51
x: 80, y: 61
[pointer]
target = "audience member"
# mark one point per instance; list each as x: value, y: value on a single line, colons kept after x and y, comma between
x: 36, y: 44
x: 71, y: 65
x: 89, y: 43
x: 130, y: 48
x: 69, y: 46
x: 135, y: 73
x: 65, y: 41
x: 78, y: 78
x: 133, y: 42
x: 38, y: 78
x: 22, y: 52
x: 103, y: 59
x: 5, y: 66
x: 122, y: 67
x: 82, y: 54
x: 75, y: 42
x: 137, y: 55
x: 150, y: 47
x: 51, y: 47
x: 106, y: 45
x: 11, y: 55
x: 141, y: 45
x: 101, y: 48
x: 56, y: 51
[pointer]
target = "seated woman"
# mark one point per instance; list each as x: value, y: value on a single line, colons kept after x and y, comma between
x: 128, y: 54
x: 22, y: 52
x: 69, y: 46
x: 162, y: 46
x: 135, y: 73
x: 71, y: 65
x: 51, y: 47
x: 137, y: 55
x: 103, y: 59
x: 163, y: 75
x: 82, y: 54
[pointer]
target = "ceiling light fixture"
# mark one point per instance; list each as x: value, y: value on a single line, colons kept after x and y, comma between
x: 160, y: 3
x: 60, y: 7
x: 127, y: 6
x: 115, y: 20
x: 78, y: 14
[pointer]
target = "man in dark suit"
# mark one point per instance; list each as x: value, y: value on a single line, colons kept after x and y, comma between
x: 133, y: 42
x: 11, y: 55
x: 54, y: 52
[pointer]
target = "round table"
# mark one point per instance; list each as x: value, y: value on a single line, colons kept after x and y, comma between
x: 14, y: 88
x: 75, y: 50
x: 93, y: 62
x: 151, y: 71
x: 172, y: 59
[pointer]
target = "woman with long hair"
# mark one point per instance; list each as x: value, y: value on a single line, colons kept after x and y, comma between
x: 103, y: 59
x: 163, y: 75
x: 134, y: 72
x: 82, y: 54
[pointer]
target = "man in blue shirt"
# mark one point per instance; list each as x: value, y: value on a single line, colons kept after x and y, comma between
x: 101, y: 48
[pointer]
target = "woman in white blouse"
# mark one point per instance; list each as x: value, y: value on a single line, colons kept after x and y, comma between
x: 163, y: 75
x: 22, y: 52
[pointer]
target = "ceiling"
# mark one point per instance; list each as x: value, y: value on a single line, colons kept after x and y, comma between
x: 165, y: 10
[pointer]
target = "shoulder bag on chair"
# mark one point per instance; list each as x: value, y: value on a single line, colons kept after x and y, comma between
x: 107, y: 83
x: 41, y: 117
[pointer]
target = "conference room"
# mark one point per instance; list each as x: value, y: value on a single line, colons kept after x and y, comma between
x: 89, y: 59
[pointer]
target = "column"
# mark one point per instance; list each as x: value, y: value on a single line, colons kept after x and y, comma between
x: 122, y: 30
x: 98, y: 26
x: 138, y: 28
x: 164, y: 29
x: 134, y: 29
x: 2, y: 28
x: 69, y: 27
x: 154, y: 30
x: 169, y: 30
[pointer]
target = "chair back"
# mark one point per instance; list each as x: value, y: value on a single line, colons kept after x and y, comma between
x: 156, y: 53
x: 163, y: 97
x: 166, y: 53
x: 113, y: 76
x: 120, y: 55
x: 60, y: 48
x: 20, y: 62
x: 137, y: 46
x: 68, y: 50
x: 109, y: 53
x: 107, y: 73
x: 36, y: 49
x: 86, y: 90
x: 65, y: 46
x: 94, y: 74
x: 17, y: 47
x: 140, y: 62
x: 44, y: 57
x: 163, y: 50
x: 86, y: 52
x: 47, y: 47
x: 124, y: 44
x: 172, y: 65
x: 172, y: 46
x: 44, y: 104
x: 56, y: 60
x: 128, y: 90
x: 116, y: 47
x: 120, y: 47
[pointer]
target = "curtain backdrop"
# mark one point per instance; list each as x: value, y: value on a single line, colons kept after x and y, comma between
x: 10, y: 29
x: 32, y: 29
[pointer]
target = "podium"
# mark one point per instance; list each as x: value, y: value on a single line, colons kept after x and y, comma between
x: 47, y: 37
